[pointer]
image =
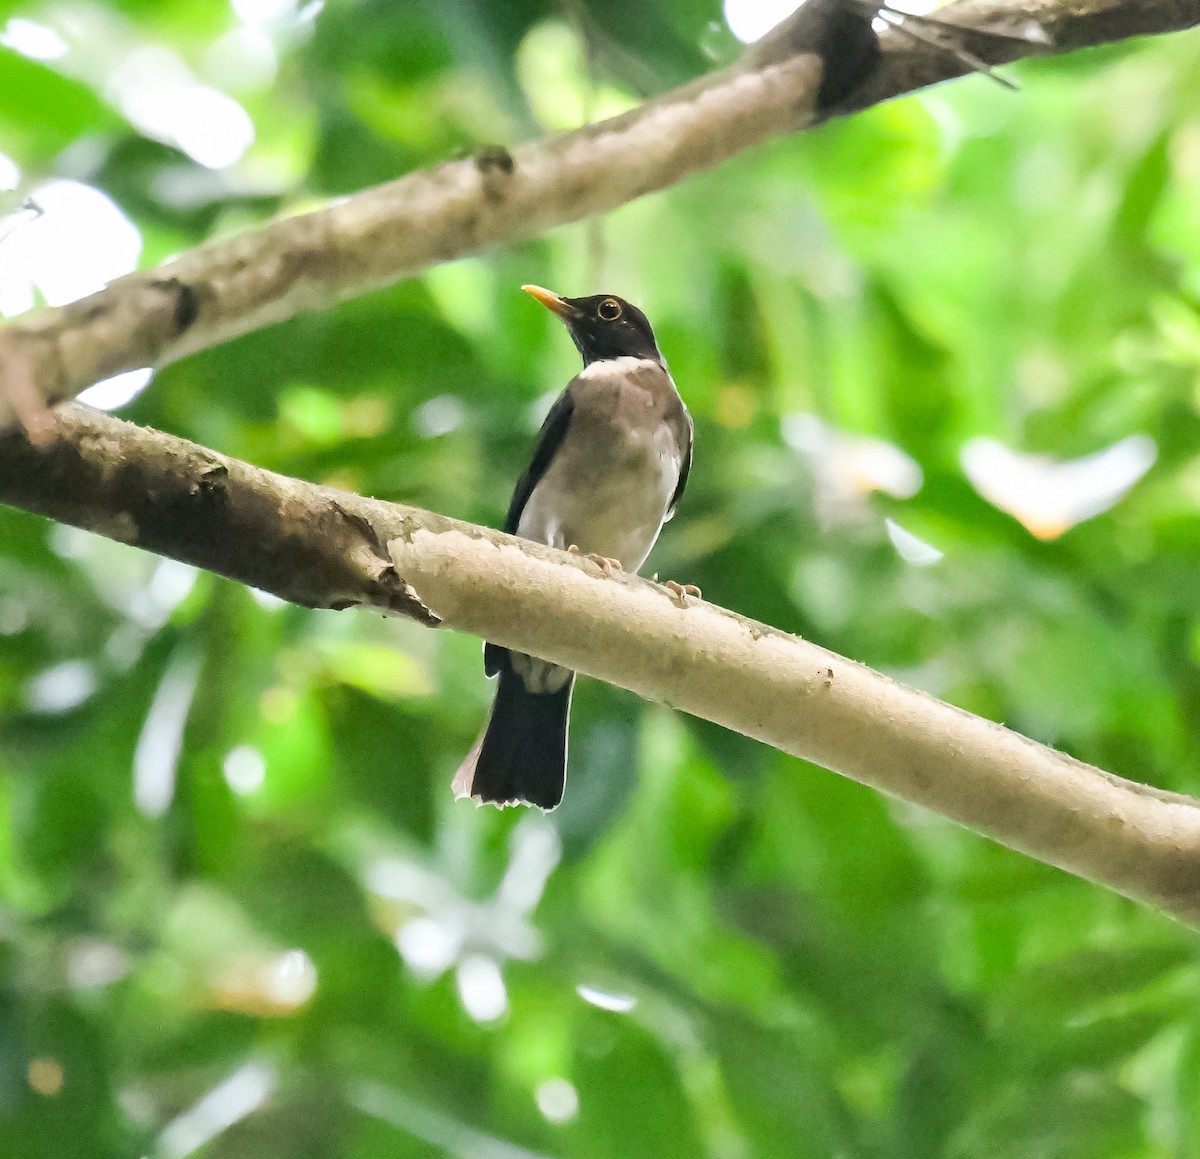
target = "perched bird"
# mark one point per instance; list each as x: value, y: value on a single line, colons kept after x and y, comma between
x: 611, y: 462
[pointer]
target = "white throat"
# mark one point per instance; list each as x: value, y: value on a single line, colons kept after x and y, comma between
x: 626, y: 364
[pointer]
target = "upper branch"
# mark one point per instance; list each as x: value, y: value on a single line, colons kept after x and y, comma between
x: 393, y: 231
x: 326, y: 548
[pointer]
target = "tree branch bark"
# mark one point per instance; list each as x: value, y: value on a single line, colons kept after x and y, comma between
x: 382, y: 235
x: 330, y: 549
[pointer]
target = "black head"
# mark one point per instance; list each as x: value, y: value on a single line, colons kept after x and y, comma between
x: 602, y: 326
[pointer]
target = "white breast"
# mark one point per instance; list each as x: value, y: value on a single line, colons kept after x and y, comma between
x: 609, y: 486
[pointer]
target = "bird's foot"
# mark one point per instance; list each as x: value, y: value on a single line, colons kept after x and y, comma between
x: 682, y: 591
x: 605, y: 563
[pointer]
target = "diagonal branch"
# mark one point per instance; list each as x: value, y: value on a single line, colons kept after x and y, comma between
x: 385, y: 234
x: 1001, y: 31
x: 329, y: 549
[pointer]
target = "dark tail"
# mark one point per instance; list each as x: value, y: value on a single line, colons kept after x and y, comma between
x: 522, y: 756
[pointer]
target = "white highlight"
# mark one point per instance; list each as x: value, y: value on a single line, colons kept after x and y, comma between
x: 70, y: 542
x: 10, y: 173
x: 231, y: 1101
x: 156, y: 91
x: 62, y: 687
x: 255, y: 11
x: 847, y: 467
x: 170, y: 585
x: 436, y: 928
x: 536, y: 851
x: 92, y: 963
x: 161, y: 739
x: 749, y: 20
x: 558, y: 1100
x: 439, y: 416
x: 245, y: 770
x: 860, y: 462
x: 244, y: 60
x: 117, y: 391
x: 33, y: 40
x: 1048, y: 496
x: 481, y: 988
x: 80, y: 242
x: 911, y: 548
x: 291, y: 979
x: 448, y: 1136
x: 605, y: 1000
x: 429, y: 946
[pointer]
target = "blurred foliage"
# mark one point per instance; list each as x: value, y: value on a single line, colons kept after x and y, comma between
x: 240, y: 914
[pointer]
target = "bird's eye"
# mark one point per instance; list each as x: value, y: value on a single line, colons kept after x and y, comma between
x: 609, y: 310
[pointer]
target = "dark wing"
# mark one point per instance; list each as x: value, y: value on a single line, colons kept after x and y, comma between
x: 550, y: 438
x: 688, y: 436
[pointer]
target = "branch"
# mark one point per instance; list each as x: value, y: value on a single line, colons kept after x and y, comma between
x: 1000, y: 33
x: 329, y: 549
x: 385, y: 234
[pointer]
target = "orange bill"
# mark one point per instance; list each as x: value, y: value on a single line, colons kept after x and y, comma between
x: 550, y: 300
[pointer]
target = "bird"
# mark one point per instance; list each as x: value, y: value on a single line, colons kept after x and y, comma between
x: 610, y: 464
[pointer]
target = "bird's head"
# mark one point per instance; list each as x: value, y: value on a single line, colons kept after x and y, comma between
x: 602, y: 326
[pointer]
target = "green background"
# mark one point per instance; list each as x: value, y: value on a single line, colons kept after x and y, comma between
x: 309, y: 949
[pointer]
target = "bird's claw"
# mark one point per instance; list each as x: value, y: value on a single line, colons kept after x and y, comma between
x: 605, y: 563
x: 682, y: 591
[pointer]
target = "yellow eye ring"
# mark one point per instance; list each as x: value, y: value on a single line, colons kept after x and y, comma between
x: 609, y: 310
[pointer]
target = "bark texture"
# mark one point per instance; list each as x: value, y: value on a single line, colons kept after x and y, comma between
x: 329, y: 549
x: 379, y: 236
